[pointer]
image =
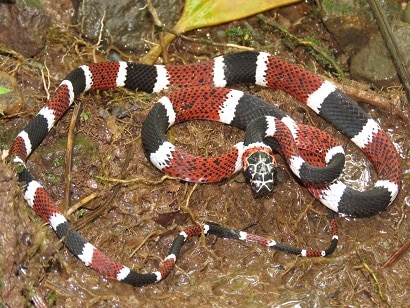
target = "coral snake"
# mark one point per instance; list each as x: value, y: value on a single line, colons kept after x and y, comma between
x: 313, y: 156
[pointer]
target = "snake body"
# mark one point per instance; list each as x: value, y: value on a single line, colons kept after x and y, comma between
x: 233, y: 108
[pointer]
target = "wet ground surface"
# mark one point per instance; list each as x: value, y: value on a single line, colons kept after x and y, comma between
x: 137, y: 222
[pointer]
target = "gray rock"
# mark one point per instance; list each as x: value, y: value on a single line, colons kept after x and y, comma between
x: 350, y: 23
x: 23, y: 27
x: 127, y: 23
x: 373, y: 63
x: 354, y: 28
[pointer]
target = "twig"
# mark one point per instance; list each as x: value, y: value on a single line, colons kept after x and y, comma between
x: 205, y: 41
x: 81, y: 203
x: 374, y: 277
x: 318, y: 52
x: 151, y: 234
x: 186, y: 208
x: 108, y: 202
x: 159, y: 24
x: 383, y: 101
x: 136, y: 180
x: 100, y: 33
x: 69, y: 157
x: 397, y: 254
x: 46, y: 82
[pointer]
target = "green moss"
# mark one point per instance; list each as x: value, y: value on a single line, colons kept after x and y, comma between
x: 85, y: 151
x: 53, y: 178
x: 34, y: 4
x: 338, y: 6
x: 85, y: 146
x: 240, y: 35
x: 52, y: 299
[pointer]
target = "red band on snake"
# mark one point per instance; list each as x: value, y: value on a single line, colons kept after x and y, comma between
x: 248, y: 67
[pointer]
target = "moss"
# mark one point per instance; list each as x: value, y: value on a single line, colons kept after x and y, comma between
x: 240, y: 35
x: 337, y: 6
x: 35, y: 4
x: 85, y: 151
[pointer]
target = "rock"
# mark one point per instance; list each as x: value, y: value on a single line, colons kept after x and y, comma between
x: 127, y: 23
x: 350, y: 23
x: 373, y: 63
x: 11, y: 102
x: 354, y: 27
x: 23, y: 27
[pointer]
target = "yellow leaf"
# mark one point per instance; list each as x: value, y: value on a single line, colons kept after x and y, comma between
x: 205, y: 13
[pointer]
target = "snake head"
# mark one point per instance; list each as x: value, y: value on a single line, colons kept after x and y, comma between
x: 259, y: 167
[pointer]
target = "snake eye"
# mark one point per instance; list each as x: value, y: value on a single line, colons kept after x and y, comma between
x: 260, y: 170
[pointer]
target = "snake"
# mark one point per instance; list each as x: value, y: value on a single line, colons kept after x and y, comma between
x: 313, y: 156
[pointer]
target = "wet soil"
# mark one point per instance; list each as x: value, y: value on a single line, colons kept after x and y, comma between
x: 137, y: 222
